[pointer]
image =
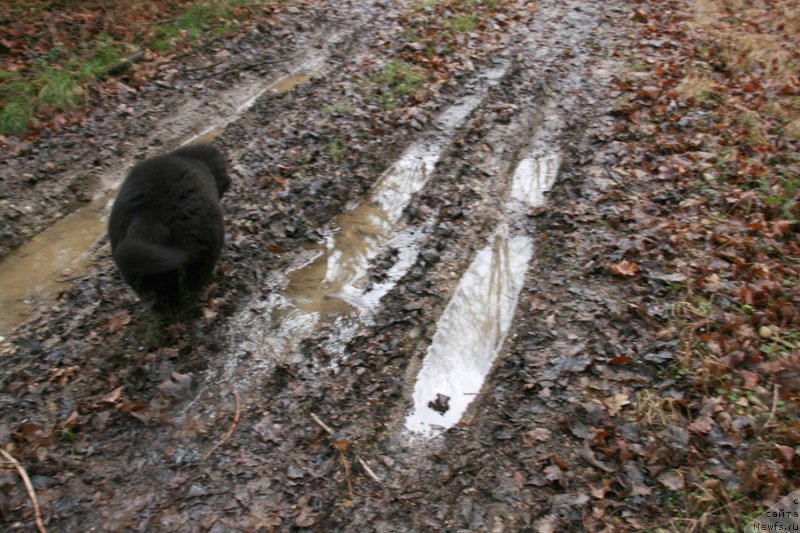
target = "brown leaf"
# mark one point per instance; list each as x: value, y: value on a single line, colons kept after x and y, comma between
x: 112, y: 397
x: 615, y: 403
x: 179, y: 385
x: 519, y: 479
x: 71, y: 421
x: 750, y: 378
x: 553, y: 473
x: 675, y: 277
x: 625, y: 268
x: 671, y: 480
x: 588, y: 455
x: 441, y: 404
x: 703, y: 424
x: 620, y: 360
x: 785, y: 455
x: 601, y: 491
x: 536, y: 435
x: 118, y: 321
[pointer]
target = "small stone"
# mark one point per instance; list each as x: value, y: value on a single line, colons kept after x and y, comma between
x: 765, y: 332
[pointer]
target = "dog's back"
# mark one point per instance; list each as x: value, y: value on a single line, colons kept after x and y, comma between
x: 166, y: 226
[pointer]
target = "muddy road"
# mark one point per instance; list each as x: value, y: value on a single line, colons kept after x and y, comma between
x: 410, y: 327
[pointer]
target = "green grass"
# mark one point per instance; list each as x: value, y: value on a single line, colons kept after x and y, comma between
x: 401, y: 77
x: 56, y: 81
x: 336, y: 149
x: 464, y: 22
x: 397, y: 79
x: 196, y: 23
x: 59, y: 78
x: 425, y: 4
x: 339, y: 108
x: 15, y: 115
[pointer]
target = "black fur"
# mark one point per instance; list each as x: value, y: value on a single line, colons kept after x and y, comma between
x: 166, y: 225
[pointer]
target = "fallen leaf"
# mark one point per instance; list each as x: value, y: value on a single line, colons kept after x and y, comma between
x: 179, y: 385
x: 620, y: 360
x: 536, y: 435
x: 703, y: 424
x: 615, y: 403
x: 625, y: 268
x: 440, y: 404
x: 112, y: 397
x: 671, y: 480
x: 118, y: 321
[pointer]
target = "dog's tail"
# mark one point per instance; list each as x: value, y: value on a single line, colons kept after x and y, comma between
x: 141, y: 254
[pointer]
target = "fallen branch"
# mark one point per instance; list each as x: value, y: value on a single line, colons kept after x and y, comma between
x: 37, y: 513
x: 231, y: 429
x: 346, y: 471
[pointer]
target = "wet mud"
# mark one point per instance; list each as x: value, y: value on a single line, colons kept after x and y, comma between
x: 401, y: 302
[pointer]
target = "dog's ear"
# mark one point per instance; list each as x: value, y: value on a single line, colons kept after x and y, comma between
x: 212, y: 158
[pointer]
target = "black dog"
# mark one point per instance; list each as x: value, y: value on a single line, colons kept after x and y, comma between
x: 166, y: 225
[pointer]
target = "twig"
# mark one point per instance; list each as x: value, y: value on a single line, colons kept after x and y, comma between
x: 368, y: 470
x: 228, y: 434
x: 37, y: 513
x: 346, y: 472
x: 204, y: 67
x: 321, y: 424
x: 197, y: 48
x: 774, y: 406
x: 340, y: 446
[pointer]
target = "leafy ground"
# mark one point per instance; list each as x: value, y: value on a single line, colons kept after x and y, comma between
x: 650, y: 378
x: 56, y: 55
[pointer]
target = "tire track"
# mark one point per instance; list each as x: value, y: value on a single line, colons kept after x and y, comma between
x: 330, y: 288
x: 470, y: 333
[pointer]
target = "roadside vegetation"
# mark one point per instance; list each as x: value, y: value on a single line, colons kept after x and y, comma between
x: 714, y: 120
x: 435, y: 43
x: 55, y: 55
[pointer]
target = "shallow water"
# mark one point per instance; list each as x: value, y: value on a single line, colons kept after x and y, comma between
x: 471, y: 331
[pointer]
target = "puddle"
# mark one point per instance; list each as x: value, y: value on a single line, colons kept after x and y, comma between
x: 333, y: 286
x: 33, y: 274
x: 533, y: 177
x: 473, y: 326
x: 471, y: 331
x: 329, y: 284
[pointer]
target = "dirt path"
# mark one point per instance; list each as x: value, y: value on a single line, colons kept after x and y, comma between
x: 411, y: 330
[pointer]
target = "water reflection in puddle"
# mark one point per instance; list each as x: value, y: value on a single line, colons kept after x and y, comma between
x: 533, y: 177
x: 470, y: 332
x: 329, y: 284
x: 334, y: 287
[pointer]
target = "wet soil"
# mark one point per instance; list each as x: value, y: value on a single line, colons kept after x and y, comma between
x: 411, y: 328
